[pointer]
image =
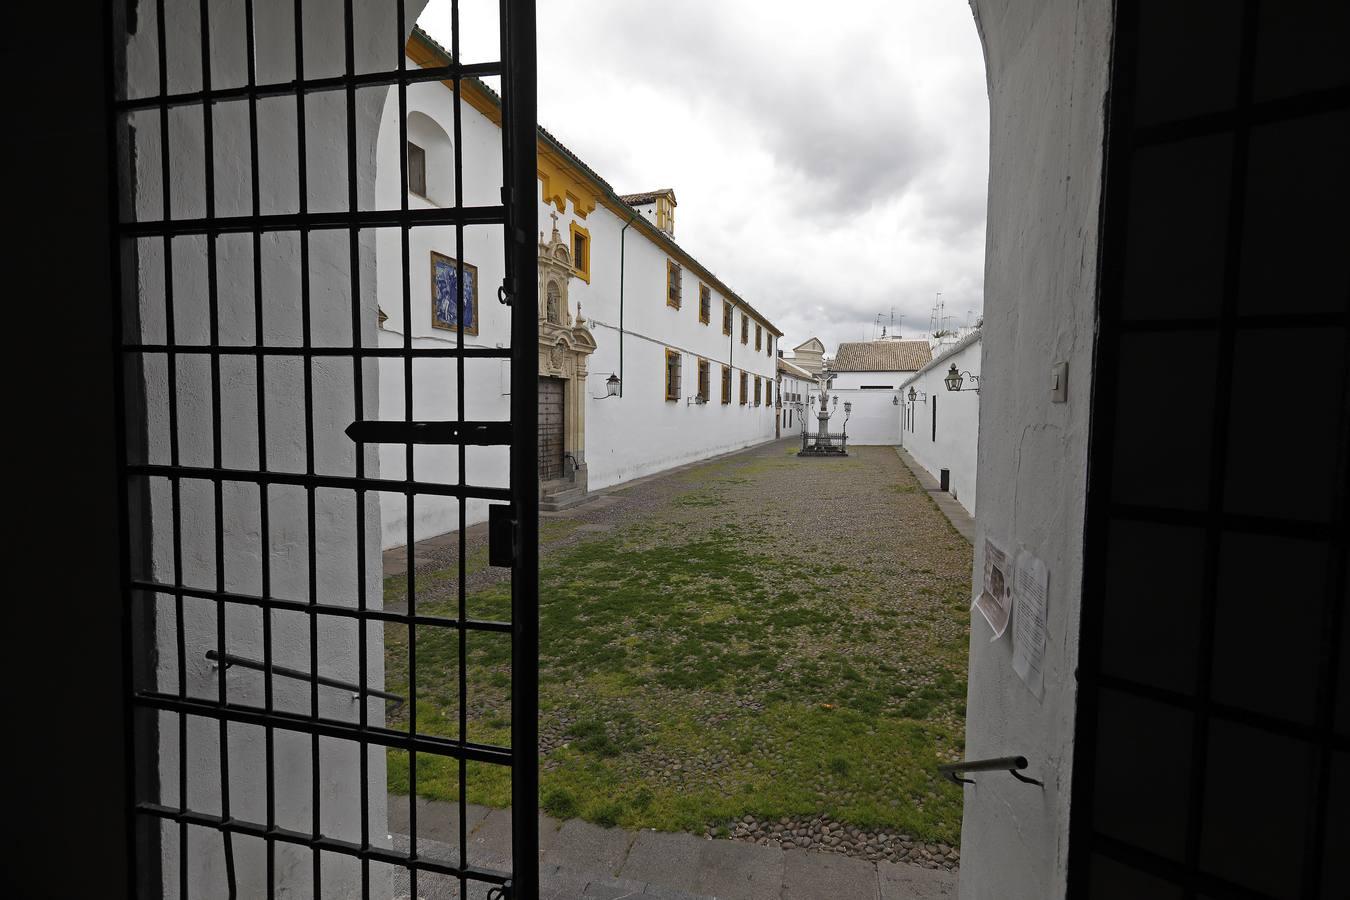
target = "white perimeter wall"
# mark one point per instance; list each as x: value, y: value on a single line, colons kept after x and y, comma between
x: 875, y: 419
x: 627, y: 437
x: 283, y: 549
x: 954, y: 445
x: 1047, y: 65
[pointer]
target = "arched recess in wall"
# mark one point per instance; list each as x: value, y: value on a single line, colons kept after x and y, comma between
x: 424, y: 132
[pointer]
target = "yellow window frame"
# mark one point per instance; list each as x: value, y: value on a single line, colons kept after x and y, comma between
x: 726, y: 384
x: 582, y: 266
x: 704, y: 303
x: 674, y: 284
x: 666, y: 379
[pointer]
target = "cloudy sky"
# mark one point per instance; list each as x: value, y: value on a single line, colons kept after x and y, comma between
x: 830, y: 158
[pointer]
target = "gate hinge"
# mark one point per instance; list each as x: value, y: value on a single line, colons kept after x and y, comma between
x: 501, y: 891
x: 501, y: 535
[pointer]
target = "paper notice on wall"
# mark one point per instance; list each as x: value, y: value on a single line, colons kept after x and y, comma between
x: 995, y: 599
x: 1031, y: 583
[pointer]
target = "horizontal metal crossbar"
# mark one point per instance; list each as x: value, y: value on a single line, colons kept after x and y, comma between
x: 319, y: 842
x: 480, y: 434
x: 320, y: 609
x: 298, y: 352
x: 299, y: 479
x: 317, y: 725
x: 312, y: 86
x: 316, y: 221
x: 245, y: 662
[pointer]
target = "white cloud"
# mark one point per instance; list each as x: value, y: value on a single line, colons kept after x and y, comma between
x: 830, y: 159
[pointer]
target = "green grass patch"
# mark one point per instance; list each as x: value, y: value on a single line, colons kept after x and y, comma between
x: 697, y: 667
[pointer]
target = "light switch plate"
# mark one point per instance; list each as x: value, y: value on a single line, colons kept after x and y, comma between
x: 1059, y: 382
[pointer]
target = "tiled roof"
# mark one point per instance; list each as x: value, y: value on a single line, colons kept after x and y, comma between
x: 882, y: 356
x: 647, y: 197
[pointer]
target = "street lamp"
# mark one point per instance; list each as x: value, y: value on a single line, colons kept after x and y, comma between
x: 955, y: 379
x: 611, y: 388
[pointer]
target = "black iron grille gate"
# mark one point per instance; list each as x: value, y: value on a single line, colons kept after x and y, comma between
x: 203, y: 737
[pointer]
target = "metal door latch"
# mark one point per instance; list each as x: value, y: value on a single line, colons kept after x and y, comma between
x: 501, y: 535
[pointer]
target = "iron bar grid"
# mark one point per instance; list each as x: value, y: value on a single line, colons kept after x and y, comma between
x: 182, y: 704
x: 1190, y: 871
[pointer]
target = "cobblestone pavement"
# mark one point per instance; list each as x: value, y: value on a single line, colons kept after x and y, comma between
x: 580, y: 861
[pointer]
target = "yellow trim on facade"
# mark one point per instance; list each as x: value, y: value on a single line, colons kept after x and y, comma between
x: 704, y: 379
x: 581, y: 266
x: 561, y: 181
x: 726, y: 385
x: 704, y: 313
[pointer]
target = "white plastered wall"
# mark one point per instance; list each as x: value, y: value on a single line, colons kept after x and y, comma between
x: 953, y: 444
x: 285, y: 548
x: 628, y: 436
x: 1048, y: 65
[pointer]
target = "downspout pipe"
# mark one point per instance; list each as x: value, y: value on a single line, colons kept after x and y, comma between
x: 623, y: 234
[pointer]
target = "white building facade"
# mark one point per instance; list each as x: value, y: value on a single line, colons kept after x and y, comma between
x: 647, y: 359
x: 794, y: 386
x: 941, y: 428
x: 867, y: 376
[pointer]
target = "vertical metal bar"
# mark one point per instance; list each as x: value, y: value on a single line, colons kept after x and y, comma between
x: 171, y: 367
x: 1218, y: 448
x: 358, y: 390
x: 306, y: 344
x: 409, y: 500
x: 460, y: 452
x: 519, y: 133
x: 217, y: 461
x: 114, y: 66
x: 1330, y: 657
x: 264, y: 495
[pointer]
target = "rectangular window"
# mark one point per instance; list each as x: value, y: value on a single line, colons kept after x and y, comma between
x: 745, y: 388
x: 933, y: 410
x: 704, y: 303
x: 768, y: 392
x: 726, y: 384
x: 759, y: 336
x: 726, y: 317
x: 745, y: 329
x: 581, y: 252
x: 672, y: 374
x: 673, y: 275
x: 768, y: 346
x: 704, y: 380
x: 417, y: 170
x: 758, y: 391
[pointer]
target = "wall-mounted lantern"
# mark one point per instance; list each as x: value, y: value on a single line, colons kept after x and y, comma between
x: 955, y: 379
x: 611, y: 388
x: 697, y: 398
x: 895, y: 400
x: 917, y: 396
